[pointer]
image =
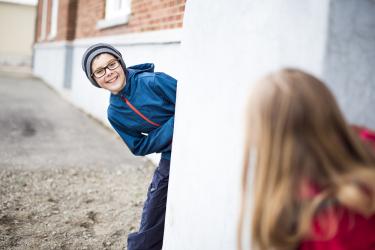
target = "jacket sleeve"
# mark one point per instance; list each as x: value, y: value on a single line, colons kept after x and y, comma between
x: 165, y: 86
x: 157, y: 141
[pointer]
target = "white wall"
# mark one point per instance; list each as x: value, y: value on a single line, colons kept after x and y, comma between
x: 225, y: 47
x: 49, y: 63
x: 350, y: 58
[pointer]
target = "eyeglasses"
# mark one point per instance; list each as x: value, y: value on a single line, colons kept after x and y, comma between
x: 100, y: 72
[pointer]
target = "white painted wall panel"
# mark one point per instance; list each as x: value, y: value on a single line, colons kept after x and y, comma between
x: 225, y: 47
x: 49, y: 64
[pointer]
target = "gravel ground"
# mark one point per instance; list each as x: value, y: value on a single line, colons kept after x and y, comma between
x: 70, y: 208
x: 66, y: 181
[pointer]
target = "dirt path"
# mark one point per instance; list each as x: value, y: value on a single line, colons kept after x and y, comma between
x: 66, y: 182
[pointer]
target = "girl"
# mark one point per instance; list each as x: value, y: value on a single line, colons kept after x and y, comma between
x: 314, y: 179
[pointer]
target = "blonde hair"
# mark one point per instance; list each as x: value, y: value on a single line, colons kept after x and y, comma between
x: 299, y: 136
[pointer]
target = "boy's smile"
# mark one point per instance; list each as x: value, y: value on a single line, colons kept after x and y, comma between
x: 108, y: 73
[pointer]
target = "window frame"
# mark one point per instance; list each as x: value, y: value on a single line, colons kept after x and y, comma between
x: 54, y: 19
x: 114, y: 15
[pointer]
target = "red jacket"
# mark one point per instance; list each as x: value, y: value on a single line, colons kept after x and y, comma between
x: 352, y: 232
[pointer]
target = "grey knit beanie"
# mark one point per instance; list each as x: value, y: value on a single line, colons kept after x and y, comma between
x: 95, y: 50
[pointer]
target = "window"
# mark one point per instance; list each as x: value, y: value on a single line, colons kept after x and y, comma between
x: 116, y: 13
x: 54, y: 18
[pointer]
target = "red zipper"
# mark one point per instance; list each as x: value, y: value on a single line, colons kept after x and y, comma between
x: 138, y: 112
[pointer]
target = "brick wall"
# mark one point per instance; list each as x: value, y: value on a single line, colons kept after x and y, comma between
x: 38, y: 28
x: 157, y: 14
x: 67, y: 16
x: 89, y: 12
x: 146, y: 15
x: 49, y: 13
x: 78, y: 18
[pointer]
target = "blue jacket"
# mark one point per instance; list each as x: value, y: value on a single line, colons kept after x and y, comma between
x: 143, y: 112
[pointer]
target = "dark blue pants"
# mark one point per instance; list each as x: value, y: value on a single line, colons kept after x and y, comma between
x: 151, y: 231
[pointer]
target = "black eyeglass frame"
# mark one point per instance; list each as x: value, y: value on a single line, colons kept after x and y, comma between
x: 106, y: 67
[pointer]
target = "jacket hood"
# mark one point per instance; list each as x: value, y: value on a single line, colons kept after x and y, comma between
x: 136, y: 69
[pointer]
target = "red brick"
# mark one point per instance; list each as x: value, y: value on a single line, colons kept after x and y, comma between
x: 78, y: 18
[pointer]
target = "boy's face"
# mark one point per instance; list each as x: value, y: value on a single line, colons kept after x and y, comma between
x: 108, y: 73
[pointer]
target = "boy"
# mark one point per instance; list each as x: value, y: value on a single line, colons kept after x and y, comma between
x: 141, y: 110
